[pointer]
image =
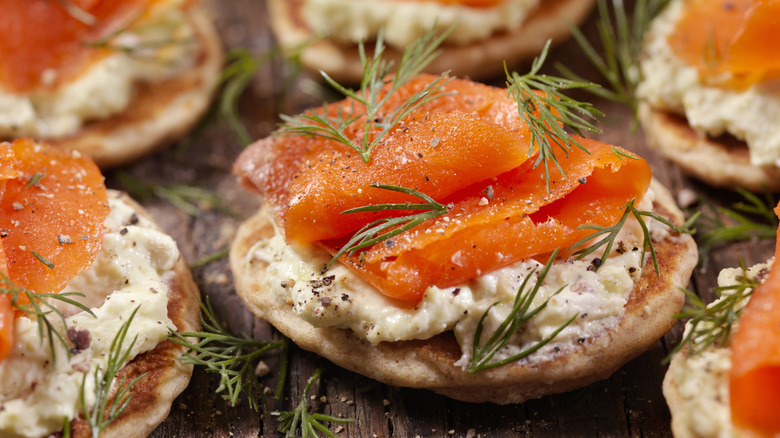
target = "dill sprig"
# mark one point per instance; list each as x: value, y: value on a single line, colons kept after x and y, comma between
x: 38, y: 307
x: 77, y: 12
x: 751, y: 218
x: 621, y: 42
x: 234, y: 358
x: 521, y: 312
x: 187, y: 198
x: 103, y: 412
x: 548, y: 113
x: 302, y: 419
x: 711, y: 325
x: 610, y: 234
x: 376, y: 88
x: 383, y: 229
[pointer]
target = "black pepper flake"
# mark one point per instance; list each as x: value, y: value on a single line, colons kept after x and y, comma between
x: 456, y: 291
x: 557, y: 348
x: 123, y: 231
x: 581, y: 340
x: 325, y: 301
x: 584, y: 315
x: 64, y: 239
x: 419, y: 155
x: 153, y: 290
x: 427, y: 179
x: 596, y: 262
x: 80, y: 338
x: 488, y: 192
x: 344, y: 297
x: 583, y: 180
x: 323, y: 282
x: 3, y: 233
x: 284, y: 285
x: 134, y: 219
x: 389, y: 243
x: 632, y: 270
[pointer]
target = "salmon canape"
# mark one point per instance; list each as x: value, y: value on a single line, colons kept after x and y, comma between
x: 709, y: 94
x: 90, y: 288
x: 113, y: 80
x: 429, y: 231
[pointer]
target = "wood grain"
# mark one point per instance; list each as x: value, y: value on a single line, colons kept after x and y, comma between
x: 627, y: 404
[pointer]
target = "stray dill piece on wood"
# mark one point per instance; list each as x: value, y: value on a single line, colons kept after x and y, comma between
x: 621, y: 42
x: 482, y: 354
x: 751, y: 218
x: 233, y: 358
x: 104, y: 412
x: 610, y: 234
x: 383, y: 229
x: 548, y: 113
x: 712, y: 325
x: 38, y: 307
x: 376, y: 88
x: 290, y: 422
x: 188, y: 198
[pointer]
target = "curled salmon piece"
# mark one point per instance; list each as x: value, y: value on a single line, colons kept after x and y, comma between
x: 31, y: 58
x: 469, y: 150
x: 754, y: 380
x: 736, y: 37
x: 52, y: 210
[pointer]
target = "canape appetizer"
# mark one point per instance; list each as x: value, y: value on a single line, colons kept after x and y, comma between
x: 113, y: 80
x: 485, y: 33
x: 438, y: 233
x: 710, y: 90
x: 725, y: 379
x: 90, y: 289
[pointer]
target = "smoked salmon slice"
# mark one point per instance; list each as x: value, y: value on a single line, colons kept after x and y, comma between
x: 754, y: 381
x: 43, y: 44
x: 468, y: 150
x: 51, y: 215
x: 738, y: 37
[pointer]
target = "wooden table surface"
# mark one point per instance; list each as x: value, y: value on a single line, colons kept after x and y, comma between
x: 629, y: 403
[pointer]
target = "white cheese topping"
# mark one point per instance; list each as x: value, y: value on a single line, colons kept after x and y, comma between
x: 703, y: 378
x: 130, y: 272
x: 161, y: 44
x: 339, y: 298
x: 750, y: 115
x: 351, y: 21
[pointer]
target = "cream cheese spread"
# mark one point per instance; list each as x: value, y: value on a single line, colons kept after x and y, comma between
x: 159, y: 45
x: 667, y: 84
x: 352, y: 21
x: 131, y: 271
x: 702, y: 379
x: 338, y: 298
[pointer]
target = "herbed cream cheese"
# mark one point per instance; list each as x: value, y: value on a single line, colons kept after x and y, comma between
x: 131, y: 271
x: 352, y: 21
x: 159, y: 45
x: 338, y: 298
x: 702, y: 379
x: 750, y: 115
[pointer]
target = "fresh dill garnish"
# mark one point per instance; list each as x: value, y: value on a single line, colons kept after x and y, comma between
x: 482, y: 354
x: 38, y: 307
x: 548, y: 113
x: 240, y: 68
x: 302, y: 419
x: 209, y: 258
x: 621, y: 43
x: 42, y: 259
x: 142, y: 48
x: 383, y: 229
x: 35, y: 179
x: 187, y: 198
x: 78, y: 13
x: 711, y: 325
x: 103, y: 412
x: 233, y: 358
x: 751, y: 218
x: 610, y: 234
x: 376, y: 88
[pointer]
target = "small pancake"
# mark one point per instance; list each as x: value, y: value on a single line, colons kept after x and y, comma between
x: 430, y: 363
x: 160, y: 112
x: 482, y: 59
x: 166, y: 375
x: 722, y: 161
